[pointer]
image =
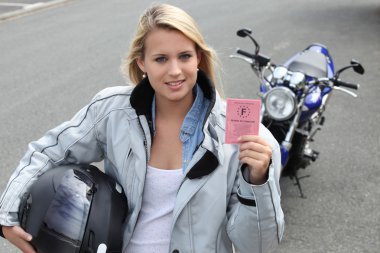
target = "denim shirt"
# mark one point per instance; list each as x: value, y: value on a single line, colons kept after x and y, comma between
x: 191, y: 134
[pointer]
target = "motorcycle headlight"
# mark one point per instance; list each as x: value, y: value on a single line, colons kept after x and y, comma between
x: 280, y: 103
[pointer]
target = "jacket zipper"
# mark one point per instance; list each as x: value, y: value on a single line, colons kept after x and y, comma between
x: 145, y: 141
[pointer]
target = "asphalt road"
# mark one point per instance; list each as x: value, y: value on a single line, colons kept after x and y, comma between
x: 53, y: 61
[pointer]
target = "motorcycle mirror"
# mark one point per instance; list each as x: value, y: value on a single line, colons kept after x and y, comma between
x: 244, y: 32
x: 358, y: 68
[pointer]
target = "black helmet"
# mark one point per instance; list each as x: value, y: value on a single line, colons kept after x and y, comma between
x: 74, y: 209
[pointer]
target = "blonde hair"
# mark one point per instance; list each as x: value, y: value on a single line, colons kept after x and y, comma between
x: 167, y: 17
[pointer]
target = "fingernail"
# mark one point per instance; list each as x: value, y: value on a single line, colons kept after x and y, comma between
x: 29, y: 237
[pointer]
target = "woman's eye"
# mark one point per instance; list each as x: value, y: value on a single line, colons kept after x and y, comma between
x: 185, y: 56
x: 160, y: 59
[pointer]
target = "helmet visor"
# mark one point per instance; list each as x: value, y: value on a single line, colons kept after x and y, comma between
x: 68, y: 212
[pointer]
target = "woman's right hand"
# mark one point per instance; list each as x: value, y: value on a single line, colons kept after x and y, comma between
x: 18, y: 237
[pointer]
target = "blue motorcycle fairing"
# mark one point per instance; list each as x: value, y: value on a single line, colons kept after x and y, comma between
x: 330, y: 64
x: 323, y: 50
x: 315, y: 61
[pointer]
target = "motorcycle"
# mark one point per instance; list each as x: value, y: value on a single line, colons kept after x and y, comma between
x: 294, y: 97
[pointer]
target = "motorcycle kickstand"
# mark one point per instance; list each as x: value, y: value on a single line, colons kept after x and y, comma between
x: 298, y: 183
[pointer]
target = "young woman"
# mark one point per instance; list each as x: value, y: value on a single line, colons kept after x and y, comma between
x: 163, y: 141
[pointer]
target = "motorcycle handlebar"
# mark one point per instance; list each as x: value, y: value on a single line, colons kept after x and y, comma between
x: 259, y: 59
x: 347, y: 85
x: 242, y: 52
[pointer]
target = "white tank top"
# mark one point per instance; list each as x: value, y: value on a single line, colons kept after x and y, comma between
x: 152, y: 231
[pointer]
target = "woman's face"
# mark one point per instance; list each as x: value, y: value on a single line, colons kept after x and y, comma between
x: 170, y: 62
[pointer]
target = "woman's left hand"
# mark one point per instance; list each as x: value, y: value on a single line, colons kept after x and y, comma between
x: 256, y: 153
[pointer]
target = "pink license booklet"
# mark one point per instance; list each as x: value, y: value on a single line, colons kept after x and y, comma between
x: 243, y: 118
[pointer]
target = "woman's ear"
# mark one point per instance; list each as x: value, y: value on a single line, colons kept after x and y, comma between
x: 141, y: 64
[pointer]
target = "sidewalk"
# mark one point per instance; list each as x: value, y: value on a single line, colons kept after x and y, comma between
x: 14, y: 8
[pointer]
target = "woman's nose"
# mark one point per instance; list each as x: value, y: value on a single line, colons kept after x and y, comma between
x: 174, y: 68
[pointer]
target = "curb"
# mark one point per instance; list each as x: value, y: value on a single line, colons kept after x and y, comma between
x: 30, y: 9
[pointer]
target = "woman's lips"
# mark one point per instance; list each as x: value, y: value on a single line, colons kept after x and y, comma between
x: 175, y: 83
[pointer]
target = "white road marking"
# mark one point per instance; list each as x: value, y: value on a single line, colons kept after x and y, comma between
x: 24, y: 6
x: 14, y: 4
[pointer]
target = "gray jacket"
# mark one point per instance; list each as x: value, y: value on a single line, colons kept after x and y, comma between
x: 215, y: 206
